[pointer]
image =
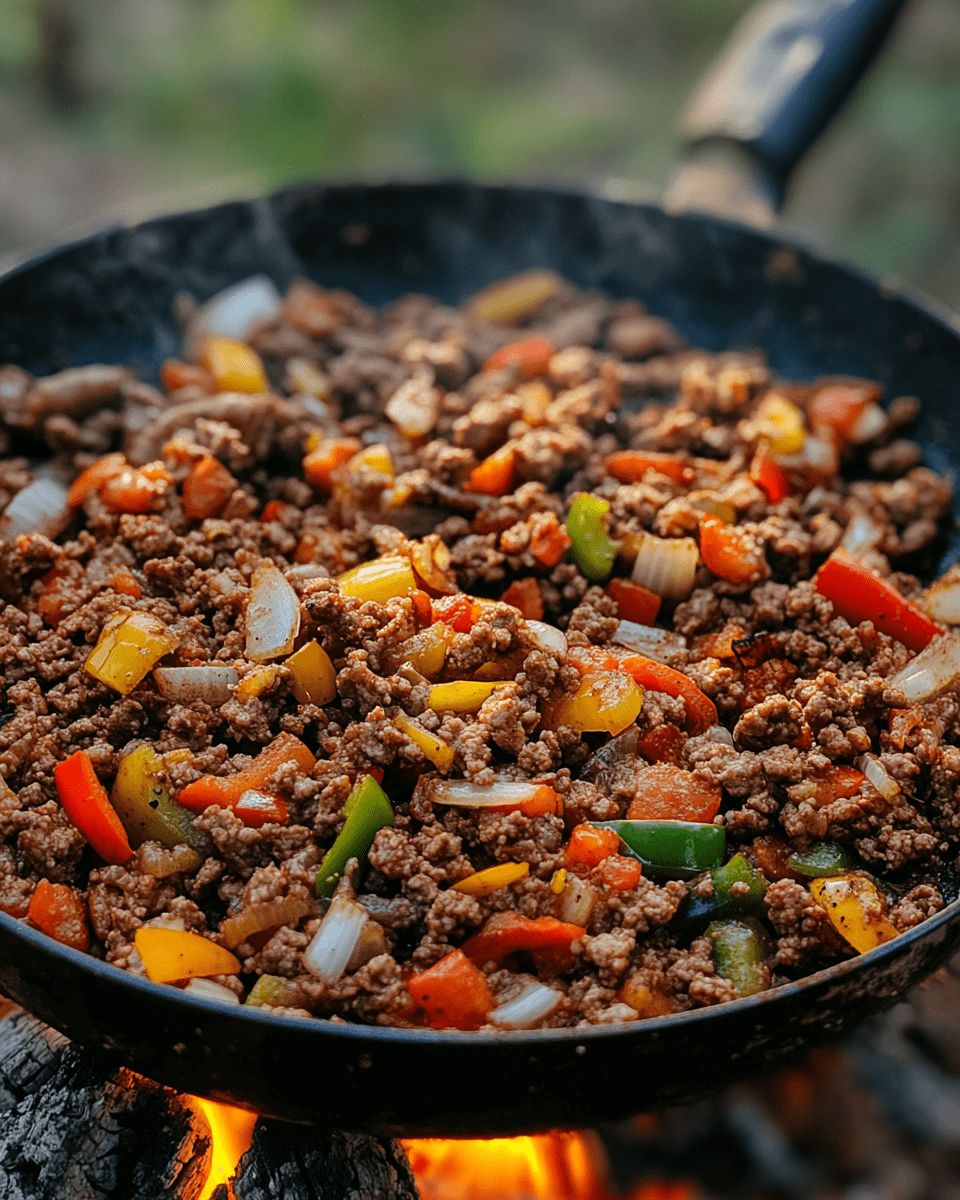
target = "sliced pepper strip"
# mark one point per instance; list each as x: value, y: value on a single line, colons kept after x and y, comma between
x: 591, y: 547
x: 485, y: 883
x: 739, y: 950
x: 701, y: 710
x: 212, y: 789
x: 508, y: 932
x: 859, y: 594
x: 678, y: 849
x: 368, y: 811
x: 85, y: 801
x: 173, y: 954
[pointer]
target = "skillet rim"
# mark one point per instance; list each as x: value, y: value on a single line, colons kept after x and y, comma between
x: 890, y: 289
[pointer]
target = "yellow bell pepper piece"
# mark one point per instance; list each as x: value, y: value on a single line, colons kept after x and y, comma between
x: 646, y: 1002
x: 234, y: 366
x: 173, y: 954
x: 856, y: 910
x: 558, y: 881
x: 374, y: 458
x: 605, y: 702
x: 781, y: 423
x: 426, y: 650
x: 130, y: 645
x: 483, y: 883
x: 256, y: 683
x: 314, y: 676
x: 462, y: 696
x: 434, y: 748
x: 380, y: 580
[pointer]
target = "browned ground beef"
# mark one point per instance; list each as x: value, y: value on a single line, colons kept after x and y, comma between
x: 810, y: 695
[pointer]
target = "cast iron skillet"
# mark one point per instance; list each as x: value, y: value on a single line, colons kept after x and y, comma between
x: 109, y: 299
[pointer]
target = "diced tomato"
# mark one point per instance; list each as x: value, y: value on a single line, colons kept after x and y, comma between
x: 494, y: 476
x: 531, y: 356
x: 701, y: 710
x: 207, y: 489
x: 728, y: 553
x: 548, y: 540
x: 525, y: 595
x: 634, y: 603
x: 630, y: 466
x: 589, y: 846
x: 837, y: 783
x: 453, y: 993
x: 770, y: 477
x: 859, y: 594
x: 508, y: 932
x: 666, y: 793
x: 58, y: 912
x: 663, y: 744
x: 458, y: 611
x: 620, y: 873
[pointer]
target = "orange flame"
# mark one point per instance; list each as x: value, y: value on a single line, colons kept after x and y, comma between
x: 231, y: 1131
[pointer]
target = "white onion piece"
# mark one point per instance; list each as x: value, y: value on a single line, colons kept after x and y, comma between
x: 577, y: 900
x: 463, y: 794
x: 820, y: 455
x: 717, y: 733
x: 272, y: 615
x: 372, y: 941
x: 666, y: 566
x: 213, y: 685
x: 942, y: 602
x: 234, y: 312
x: 934, y: 670
x: 870, y: 424
x: 40, y: 507
x: 414, y: 406
x: 877, y: 774
x: 861, y: 535
x: 335, y: 941
x: 660, y: 644
x: 548, y: 637
x: 534, y: 1003
x: 222, y: 583
x: 211, y: 991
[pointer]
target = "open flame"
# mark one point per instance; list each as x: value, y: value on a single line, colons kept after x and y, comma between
x: 231, y: 1132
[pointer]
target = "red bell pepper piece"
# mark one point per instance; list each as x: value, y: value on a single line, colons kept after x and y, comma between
x: 454, y: 993
x: 859, y: 594
x: 620, y: 873
x: 701, y: 710
x: 667, y: 793
x: 58, y: 911
x: 634, y: 603
x: 770, y: 477
x: 663, y: 744
x: 457, y: 611
x: 255, y: 808
x: 508, y: 932
x: 212, y: 789
x: 630, y: 466
x: 85, y: 801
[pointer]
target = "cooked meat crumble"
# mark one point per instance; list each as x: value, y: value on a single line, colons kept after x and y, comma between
x: 367, y: 667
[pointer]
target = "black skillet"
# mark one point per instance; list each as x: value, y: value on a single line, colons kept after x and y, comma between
x: 108, y: 299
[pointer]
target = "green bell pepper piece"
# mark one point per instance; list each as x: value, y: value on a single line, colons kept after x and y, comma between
x: 591, y: 548
x: 739, y: 951
x: 367, y: 811
x: 141, y: 801
x: 725, y: 901
x: 273, y: 991
x: 671, y: 849
x: 824, y: 858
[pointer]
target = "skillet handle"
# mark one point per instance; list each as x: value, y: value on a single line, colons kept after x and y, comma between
x: 785, y: 73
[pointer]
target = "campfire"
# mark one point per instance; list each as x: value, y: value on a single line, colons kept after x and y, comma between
x: 877, y: 1117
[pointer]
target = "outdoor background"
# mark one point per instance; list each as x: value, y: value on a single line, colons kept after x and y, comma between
x: 128, y: 107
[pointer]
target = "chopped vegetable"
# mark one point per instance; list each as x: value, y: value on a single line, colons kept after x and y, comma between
x: 134, y: 491
x: 525, y: 595
x: 823, y: 858
x: 287, y: 910
x: 728, y: 553
x: 414, y: 406
x: 769, y: 476
x: 485, y: 883
x: 460, y: 612
x: 237, y: 309
x: 738, y: 890
x: 494, y: 476
x: 630, y: 466
x: 170, y: 955
x: 58, y: 911
x: 329, y: 455
x: 670, y: 849
x: 208, y: 990
x: 508, y: 933
x: 548, y: 540
x: 620, y: 873
x: 328, y: 954
x: 780, y: 423
x: 634, y: 603
x: 226, y: 791
x: 658, y: 644
x: 453, y: 993
x: 209, y: 684
x: 591, y: 547
x: 256, y: 808
x: 160, y: 862
x: 40, y: 507
x: 739, y: 950
x: 130, y: 644
x: 530, y: 356
x: 432, y: 562
x: 94, y: 477
x: 668, y: 793
x: 175, y: 374
x: 856, y: 909
x: 534, y: 1004
x: 271, y: 615
x: 577, y: 899
x: 876, y: 773
x: 426, y: 650
x: 59, y: 594
x: 368, y: 810
x: 504, y: 795
x: 664, y: 744
x: 605, y: 702
x: 273, y: 991
x: 512, y: 300
x: 590, y: 844
x: 314, y: 676
x: 207, y: 489
x: 141, y: 801
x: 433, y: 747
x: 942, y: 600
x: 934, y: 670
x: 85, y: 801
x: 835, y: 409
x: 859, y: 594
x: 464, y: 696
x: 547, y: 637
x: 657, y: 677
x: 666, y: 566
x: 235, y: 367
x: 380, y: 580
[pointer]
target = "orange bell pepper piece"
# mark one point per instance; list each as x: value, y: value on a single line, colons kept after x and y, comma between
x: 507, y: 933
x: 701, y: 710
x: 58, y: 911
x: 85, y: 801
x: 94, y: 477
x: 620, y: 873
x: 170, y: 955
x: 531, y: 356
x: 634, y: 603
x: 59, y: 596
x: 589, y: 846
x: 727, y: 552
x: 630, y: 466
x: 494, y: 476
x: 207, y: 489
x: 235, y: 367
x: 133, y: 491
x: 319, y: 464
x: 227, y: 791
x: 272, y: 511
x: 859, y: 594
x: 769, y: 476
x: 525, y: 595
x: 259, y: 808
x: 663, y: 744
x: 453, y: 993
x: 549, y: 540
x: 667, y: 793
x: 125, y: 583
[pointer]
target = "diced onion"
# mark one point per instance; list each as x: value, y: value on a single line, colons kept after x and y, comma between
x: 272, y: 615
x: 718, y: 733
x: 258, y: 917
x: 162, y: 861
x: 333, y: 946
x: 942, y: 602
x: 877, y: 774
x: 870, y: 424
x: 40, y: 507
x: 463, y: 794
x: 666, y: 566
x: 862, y: 534
x: 548, y: 637
x: 935, y: 669
x: 577, y: 900
x: 414, y: 406
x: 534, y: 1003
x: 185, y: 685
x: 211, y: 991
x: 656, y: 643
x: 234, y: 312
x: 372, y: 941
